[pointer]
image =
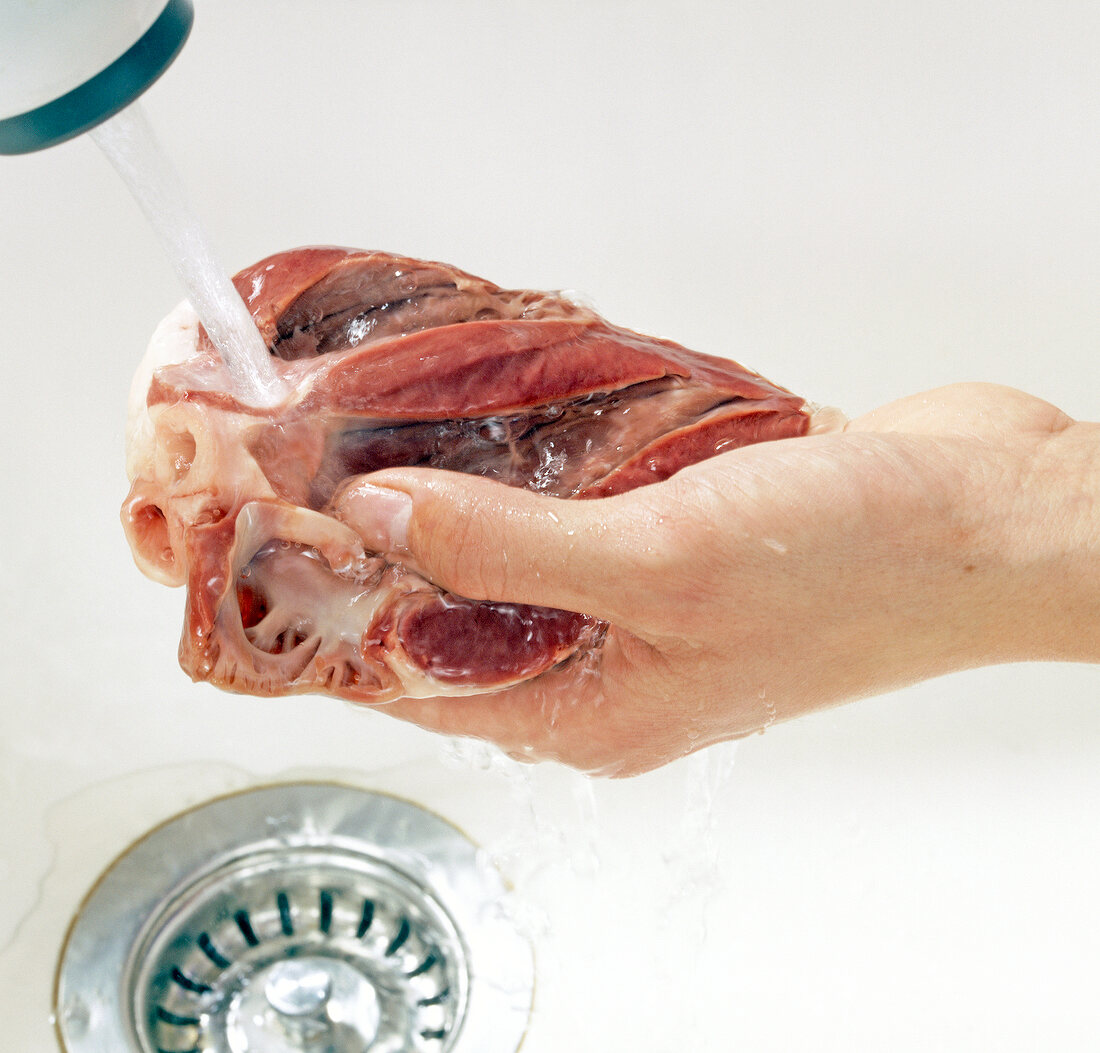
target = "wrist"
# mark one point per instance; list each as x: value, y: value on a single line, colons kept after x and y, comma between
x: 1044, y: 536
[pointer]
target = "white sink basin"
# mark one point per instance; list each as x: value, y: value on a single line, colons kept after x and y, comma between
x: 861, y: 208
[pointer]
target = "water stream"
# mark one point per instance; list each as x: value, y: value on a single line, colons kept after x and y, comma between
x: 130, y: 145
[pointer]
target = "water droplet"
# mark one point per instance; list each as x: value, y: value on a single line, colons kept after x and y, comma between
x: 357, y: 329
x: 770, y: 711
x: 75, y: 1017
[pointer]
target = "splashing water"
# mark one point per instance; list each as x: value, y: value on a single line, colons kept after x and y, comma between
x: 693, y: 858
x: 130, y: 145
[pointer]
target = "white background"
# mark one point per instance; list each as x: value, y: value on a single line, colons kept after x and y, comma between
x: 862, y: 200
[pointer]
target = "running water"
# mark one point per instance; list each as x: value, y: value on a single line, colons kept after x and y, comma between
x: 130, y: 145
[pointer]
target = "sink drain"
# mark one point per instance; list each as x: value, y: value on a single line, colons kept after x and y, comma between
x: 296, y: 917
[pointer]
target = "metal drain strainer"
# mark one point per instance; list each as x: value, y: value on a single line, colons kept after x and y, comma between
x: 304, y: 916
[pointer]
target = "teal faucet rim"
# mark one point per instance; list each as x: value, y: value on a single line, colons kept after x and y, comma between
x: 106, y: 93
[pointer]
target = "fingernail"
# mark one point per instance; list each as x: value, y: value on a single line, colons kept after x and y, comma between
x: 379, y: 515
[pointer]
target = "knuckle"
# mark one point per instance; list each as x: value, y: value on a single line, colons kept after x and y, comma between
x: 459, y: 552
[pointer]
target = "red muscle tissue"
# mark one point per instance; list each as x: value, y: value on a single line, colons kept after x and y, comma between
x: 390, y: 362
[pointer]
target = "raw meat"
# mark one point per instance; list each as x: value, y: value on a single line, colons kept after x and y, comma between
x: 393, y: 361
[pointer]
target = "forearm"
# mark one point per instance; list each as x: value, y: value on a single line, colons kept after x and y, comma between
x: 1049, y: 540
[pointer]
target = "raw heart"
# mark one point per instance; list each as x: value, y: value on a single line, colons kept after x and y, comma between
x: 393, y: 361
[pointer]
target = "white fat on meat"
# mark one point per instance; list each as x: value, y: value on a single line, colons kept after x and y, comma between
x: 175, y: 340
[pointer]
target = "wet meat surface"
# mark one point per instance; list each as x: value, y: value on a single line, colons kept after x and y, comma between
x: 391, y: 361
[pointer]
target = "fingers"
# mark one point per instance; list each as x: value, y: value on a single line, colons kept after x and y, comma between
x: 592, y: 713
x: 487, y: 541
x: 550, y: 718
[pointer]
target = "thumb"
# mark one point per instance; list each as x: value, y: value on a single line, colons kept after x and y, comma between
x: 487, y: 541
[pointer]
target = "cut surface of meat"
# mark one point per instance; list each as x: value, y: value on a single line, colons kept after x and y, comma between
x: 392, y: 362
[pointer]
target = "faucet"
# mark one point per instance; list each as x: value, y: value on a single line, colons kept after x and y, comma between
x: 68, y: 65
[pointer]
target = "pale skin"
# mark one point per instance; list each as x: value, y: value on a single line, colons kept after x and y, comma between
x: 949, y: 530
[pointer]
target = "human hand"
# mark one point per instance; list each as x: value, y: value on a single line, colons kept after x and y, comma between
x: 946, y: 530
